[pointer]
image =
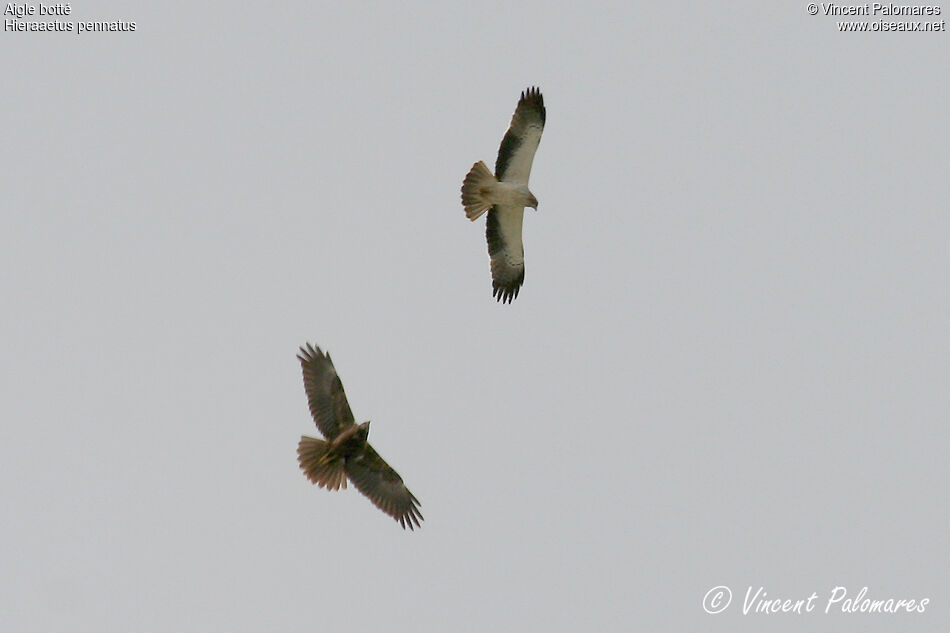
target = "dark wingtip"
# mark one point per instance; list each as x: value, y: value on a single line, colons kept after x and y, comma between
x: 310, y: 352
x: 532, y: 97
x: 412, y: 515
x: 532, y: 93
x: 508, y: 291
x: 506, y: 294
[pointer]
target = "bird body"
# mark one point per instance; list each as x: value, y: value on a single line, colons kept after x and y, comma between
x: 350, y: 440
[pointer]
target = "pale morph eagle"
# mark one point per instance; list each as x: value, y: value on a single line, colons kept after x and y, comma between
x: 505, y: 194
x: 346, y: 453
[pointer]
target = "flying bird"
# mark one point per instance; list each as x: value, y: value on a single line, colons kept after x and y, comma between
x: 346, y: 454
x: 505, y: 194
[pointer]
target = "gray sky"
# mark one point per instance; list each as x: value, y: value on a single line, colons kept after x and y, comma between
x: 727, y: 365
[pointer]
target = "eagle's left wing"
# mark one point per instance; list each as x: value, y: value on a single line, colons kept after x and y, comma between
x: 522, y: 138
x: 506, y: 250
x: 377, y: 480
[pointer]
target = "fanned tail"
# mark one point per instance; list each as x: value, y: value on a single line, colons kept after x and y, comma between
x: 319, y: 466
x: 476, y: 191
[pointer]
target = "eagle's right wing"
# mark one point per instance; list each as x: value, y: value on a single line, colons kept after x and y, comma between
x: 328, y: 404
x: 522, y: 138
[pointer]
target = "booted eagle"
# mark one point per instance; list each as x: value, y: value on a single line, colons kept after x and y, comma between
x: 346, y: 453
x: 505, y: 194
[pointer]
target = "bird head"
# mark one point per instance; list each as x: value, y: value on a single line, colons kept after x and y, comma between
x: 363, y: 430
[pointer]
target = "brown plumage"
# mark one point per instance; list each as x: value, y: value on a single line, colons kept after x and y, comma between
x: 345, y: 454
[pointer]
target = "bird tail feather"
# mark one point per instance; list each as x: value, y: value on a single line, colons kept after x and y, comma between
x: 476, y: 191
x: 319, y: 466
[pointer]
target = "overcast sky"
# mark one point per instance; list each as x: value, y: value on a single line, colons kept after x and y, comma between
x: 727, y: 365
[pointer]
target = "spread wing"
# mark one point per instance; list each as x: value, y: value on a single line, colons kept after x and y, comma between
x: 328, y: 404
x: 377, y: 480
x: 506, y: 250
x: 521, y: 140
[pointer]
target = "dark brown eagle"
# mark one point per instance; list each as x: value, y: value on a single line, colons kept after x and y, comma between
x: 346, y: 453
x: 505, y: 194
